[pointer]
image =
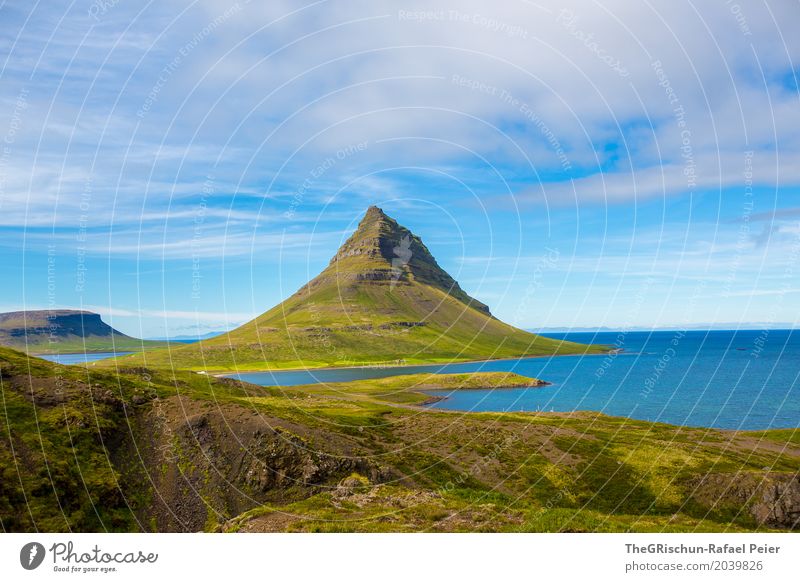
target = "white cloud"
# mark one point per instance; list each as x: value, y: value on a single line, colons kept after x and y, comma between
x: 281, y: 83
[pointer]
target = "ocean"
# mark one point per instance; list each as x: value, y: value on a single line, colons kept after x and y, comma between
x: 745, y: 380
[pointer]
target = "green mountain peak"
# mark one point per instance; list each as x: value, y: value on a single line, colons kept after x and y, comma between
x: 383, y: 252
x: 382, y: 298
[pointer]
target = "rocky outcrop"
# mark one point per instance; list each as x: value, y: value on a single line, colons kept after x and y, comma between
x: 777, y: 503
x: 208, y: 464
x: 771, y: 498
x: 383, y: 251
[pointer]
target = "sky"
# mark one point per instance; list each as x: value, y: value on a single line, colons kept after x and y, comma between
x: 181, y: 167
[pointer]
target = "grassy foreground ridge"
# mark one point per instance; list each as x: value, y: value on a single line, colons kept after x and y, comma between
x: 146, y: 449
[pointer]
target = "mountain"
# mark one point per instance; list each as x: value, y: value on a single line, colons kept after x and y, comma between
x: 65, y: 331
x: 382, y: 299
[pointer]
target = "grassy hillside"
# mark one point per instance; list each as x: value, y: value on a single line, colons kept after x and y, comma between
x: 157, y: 450
x: 65, y: 331
x: 59, y: 432
x: 382, y: 299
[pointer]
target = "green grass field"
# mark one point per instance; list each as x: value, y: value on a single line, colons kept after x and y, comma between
x: 153, y: 449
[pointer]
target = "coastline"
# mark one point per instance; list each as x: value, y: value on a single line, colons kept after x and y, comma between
x: 124, y: 352
x: 216, y: 374
x: 433, y: 398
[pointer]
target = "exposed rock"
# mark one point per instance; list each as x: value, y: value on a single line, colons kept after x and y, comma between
x: 231, y: 459
x: 773, y: 499
x: 779, y: 503
x: 351, y: 485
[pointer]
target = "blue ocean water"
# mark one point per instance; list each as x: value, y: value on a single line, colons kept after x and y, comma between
x: 80, y: 358
x: 744, y: 380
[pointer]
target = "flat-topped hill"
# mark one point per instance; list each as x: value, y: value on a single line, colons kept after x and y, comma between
x: 65, y: 331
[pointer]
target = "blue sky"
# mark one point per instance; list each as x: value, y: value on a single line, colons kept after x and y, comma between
x: 183, y: 166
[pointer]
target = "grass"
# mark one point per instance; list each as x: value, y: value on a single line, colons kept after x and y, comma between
x: 382, y: 462
x: 294, y: 347
x: 788, y: 435
x: 56, y: 471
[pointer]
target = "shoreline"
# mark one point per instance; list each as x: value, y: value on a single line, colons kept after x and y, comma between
x: 88, y: 352
x: 380, y: 367
x: 434, y: 398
